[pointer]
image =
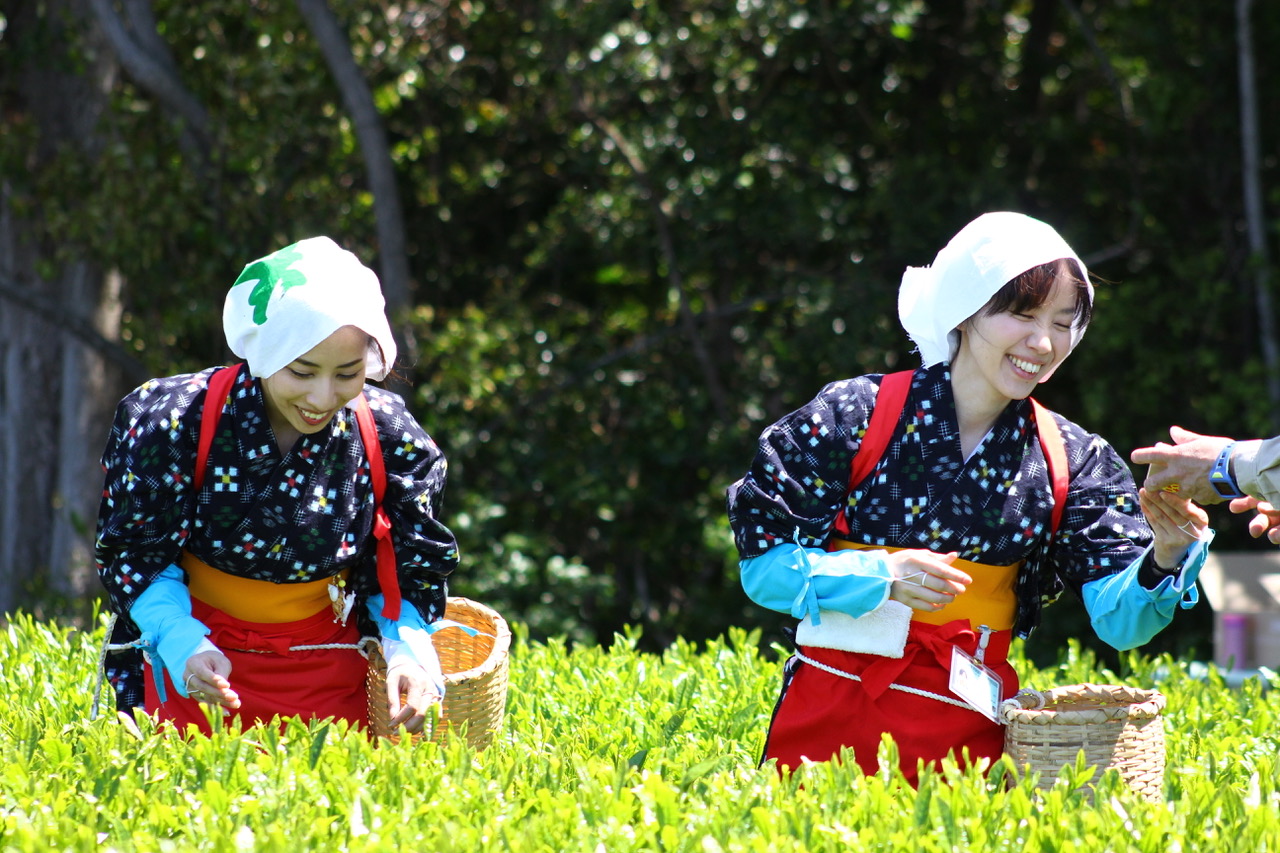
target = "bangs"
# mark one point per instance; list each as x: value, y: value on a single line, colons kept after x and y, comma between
x: 1031, y: 289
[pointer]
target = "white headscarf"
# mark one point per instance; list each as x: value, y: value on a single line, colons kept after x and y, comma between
x: 982, y: 258
x: 285, y: 304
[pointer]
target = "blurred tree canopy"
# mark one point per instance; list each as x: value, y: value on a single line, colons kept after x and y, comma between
x: 639, y: 232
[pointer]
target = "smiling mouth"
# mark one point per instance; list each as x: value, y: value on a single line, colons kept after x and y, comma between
x: 1025, y: 366
x: 313, y: 418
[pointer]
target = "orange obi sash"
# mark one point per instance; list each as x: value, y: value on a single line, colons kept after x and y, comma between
x: 989, y: 600
x: 254, y: 600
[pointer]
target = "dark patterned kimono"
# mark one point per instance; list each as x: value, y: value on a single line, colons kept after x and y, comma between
x: 993, y: 508
x: 286, y: 518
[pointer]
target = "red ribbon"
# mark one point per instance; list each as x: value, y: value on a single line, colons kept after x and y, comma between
x: 236, y: 638
x: 877, y: 677
x: 386, y: 566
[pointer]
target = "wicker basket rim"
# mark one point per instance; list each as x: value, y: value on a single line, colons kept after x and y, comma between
x: 1094, y: 703
x: 501, y: 639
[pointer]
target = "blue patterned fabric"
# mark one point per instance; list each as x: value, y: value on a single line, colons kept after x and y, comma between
x: 282, y: 517
x: 993, y: 508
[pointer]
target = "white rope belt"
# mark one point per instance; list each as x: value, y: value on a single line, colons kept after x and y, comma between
x: 361, y: 647
x: 916, y: 691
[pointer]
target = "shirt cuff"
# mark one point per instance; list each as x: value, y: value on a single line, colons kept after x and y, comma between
x: 801, y: 581
x: 1246, y: 456
x: 163, y: 614
x: 1180, y: 580
x: 407, y: 640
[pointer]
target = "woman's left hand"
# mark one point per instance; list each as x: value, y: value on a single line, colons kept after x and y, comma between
x: 410, y: 681
x: 1177, y: 523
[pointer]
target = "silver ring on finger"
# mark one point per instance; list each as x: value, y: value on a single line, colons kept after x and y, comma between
x: 190, y: 692
x: 1192, y: 532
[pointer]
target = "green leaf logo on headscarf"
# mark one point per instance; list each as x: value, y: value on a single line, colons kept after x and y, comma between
x: 271, y: 271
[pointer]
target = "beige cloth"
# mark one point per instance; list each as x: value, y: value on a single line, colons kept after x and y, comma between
x: 1256, y: 466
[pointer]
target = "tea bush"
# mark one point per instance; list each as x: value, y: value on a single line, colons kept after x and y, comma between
x: 604, y: 749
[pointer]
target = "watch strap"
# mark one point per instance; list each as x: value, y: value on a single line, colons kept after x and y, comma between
x: 1220, y: 477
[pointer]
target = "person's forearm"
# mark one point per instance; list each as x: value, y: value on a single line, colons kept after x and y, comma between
x: 1256, y: 465
x: 407, y: 639
x: 1125, y: 614
x: 163, y: 615
x: 795, y: 580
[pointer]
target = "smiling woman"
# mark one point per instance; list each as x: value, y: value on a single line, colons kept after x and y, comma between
x: 1017, y: 341
x: 251, y: 588
x: 968, y: 508
x: 305, y: 395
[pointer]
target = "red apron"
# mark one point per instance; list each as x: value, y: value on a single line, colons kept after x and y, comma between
x: 820, y: 713
x: 270, y: 679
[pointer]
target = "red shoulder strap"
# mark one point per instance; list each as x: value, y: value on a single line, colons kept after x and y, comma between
x: 386, y: 556
x: 890, y: 401
x: 1055, y: 453
x: 884, y: 419
x: 215, y: 398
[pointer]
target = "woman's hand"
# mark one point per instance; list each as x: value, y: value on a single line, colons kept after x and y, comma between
x: 410, y: 681
x: 205, y: 677
x: 1177, y: 523
x: 924, y: 580
x: 1266, y: 521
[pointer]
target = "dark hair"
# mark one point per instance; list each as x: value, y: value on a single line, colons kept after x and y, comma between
x: 1029, y: 290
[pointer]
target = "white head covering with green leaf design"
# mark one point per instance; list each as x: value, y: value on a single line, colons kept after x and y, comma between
x: 285, y: 304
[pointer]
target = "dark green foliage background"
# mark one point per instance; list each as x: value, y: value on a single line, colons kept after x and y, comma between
x: 642, y: 231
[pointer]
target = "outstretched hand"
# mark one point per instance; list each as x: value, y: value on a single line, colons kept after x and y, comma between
x: 1183, y: 467
x: 1177, y: 523
x: 1266, y: 521
x: 924, y: 580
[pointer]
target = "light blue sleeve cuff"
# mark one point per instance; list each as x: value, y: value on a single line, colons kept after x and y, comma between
x: 163, y: 615
x: 409, y: 638
x: 802, y: 581
x: 1125, y: 614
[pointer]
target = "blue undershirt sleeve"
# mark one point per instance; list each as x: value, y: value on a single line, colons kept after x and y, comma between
x: 408, y: 639
x: 163, y: 615
x: 1125, y: 614
x: 801, y: 581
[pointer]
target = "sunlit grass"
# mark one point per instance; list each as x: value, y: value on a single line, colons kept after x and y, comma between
x: 604, y: 749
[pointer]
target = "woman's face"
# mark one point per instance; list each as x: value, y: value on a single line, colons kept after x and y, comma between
x: 1005, y: 355
x: 303, y: 396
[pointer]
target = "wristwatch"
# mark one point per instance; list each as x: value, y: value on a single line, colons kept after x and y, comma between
x: 1220, y: 477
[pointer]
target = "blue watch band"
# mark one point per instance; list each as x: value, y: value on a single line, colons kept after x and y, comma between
x: 1220, y: 477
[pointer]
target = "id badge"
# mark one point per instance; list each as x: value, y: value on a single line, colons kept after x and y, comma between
x: 975, y: 683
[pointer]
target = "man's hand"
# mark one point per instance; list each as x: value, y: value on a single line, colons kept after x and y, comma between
x: 1183, y: 467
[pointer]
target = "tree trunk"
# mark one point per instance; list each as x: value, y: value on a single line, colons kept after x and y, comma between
x: 1255, y: 218
x: 58, y: 384
x: 388, y: 213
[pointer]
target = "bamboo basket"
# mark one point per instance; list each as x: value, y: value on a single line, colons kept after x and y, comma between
x: 1115, y: 726
x: 475, y: 677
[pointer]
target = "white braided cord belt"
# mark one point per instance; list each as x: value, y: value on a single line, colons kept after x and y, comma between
x: 916, y: 691
x: 108, y: 646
